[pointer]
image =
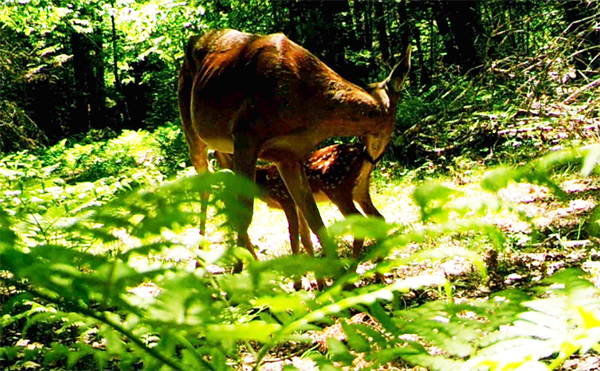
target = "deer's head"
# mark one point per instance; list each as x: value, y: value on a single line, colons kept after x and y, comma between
x: 387, y: 92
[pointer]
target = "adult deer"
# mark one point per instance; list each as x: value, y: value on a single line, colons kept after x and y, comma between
x: 267, y: 97
x: 340, y: 173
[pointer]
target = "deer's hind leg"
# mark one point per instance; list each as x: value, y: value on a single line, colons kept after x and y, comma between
x: 245, y: 154
x: 198, y: 150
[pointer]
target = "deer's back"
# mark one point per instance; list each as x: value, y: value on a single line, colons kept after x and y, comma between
x: 275, y: 86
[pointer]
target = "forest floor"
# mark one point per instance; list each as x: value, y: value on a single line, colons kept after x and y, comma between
x: 545, y: 234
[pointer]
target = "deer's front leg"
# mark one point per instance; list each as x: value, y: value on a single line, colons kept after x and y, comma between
x: 344, y: 202
x: 362, y: 195
x: 244, y: 164
x: 295, y: 180
x: 305, y: 235
x: 199, y: 158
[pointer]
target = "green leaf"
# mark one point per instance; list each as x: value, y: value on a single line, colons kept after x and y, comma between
x: 432, y: 198
x: 255, y: 330
x: 433, y: 363
x: 218, y: 359
x: 297, y: 302
x: 114, y: 343
x: 361, y: 227
x: 590, y: 160
x: 355, y: 338
x: 499, y: 178
x: 383, y: 318
x: 339, y: 352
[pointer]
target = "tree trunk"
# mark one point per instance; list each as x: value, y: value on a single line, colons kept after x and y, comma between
x: 583, y: 18
x: 574, y: 13
x: 290, y: 28
x: 368, y: 26
x: 384, y: 44
x: 123, y: 112
x: 325, y: 31
x: 97, y: 88
x: 336, y: 36
x: 358, y: 12
x: 452, y: 55
x: 465, y: 26
x: 81, y: 71
x: 88, y: 72
x: 405, y: 27
x: 432, y: 41
x: 424, y: 71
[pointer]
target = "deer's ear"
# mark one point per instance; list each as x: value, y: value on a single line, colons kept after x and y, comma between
x: 400, y: 72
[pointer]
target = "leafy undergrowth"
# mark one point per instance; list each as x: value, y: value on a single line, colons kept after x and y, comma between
x: 516, y: 109
x: 468, y: 272
x: 544, y: 233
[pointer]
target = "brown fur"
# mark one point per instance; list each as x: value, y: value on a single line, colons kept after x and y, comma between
x: 267, y: 97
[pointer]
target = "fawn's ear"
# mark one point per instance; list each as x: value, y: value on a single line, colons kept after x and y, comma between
x: 400, y: 71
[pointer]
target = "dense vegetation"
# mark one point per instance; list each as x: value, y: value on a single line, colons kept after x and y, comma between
x: 99, y: 269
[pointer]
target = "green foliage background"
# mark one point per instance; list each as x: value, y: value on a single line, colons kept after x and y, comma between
x: 95, y: 192
x: 72, y: 66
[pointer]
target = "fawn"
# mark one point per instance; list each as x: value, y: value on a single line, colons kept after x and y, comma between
x: 338, y: 173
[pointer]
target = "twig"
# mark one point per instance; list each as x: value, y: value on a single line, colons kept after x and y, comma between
x: 578, y: 92
x: 290, y: 356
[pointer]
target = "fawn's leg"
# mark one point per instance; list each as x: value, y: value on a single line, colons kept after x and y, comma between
x: 362, y: 196
x: 366, y: 204
x: 346, y: 205
x: 225, y: 160
x: 361, y: 192
x: 292, y: 217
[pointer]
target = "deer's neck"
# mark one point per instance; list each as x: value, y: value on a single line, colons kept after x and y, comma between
x: 359, y: 111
